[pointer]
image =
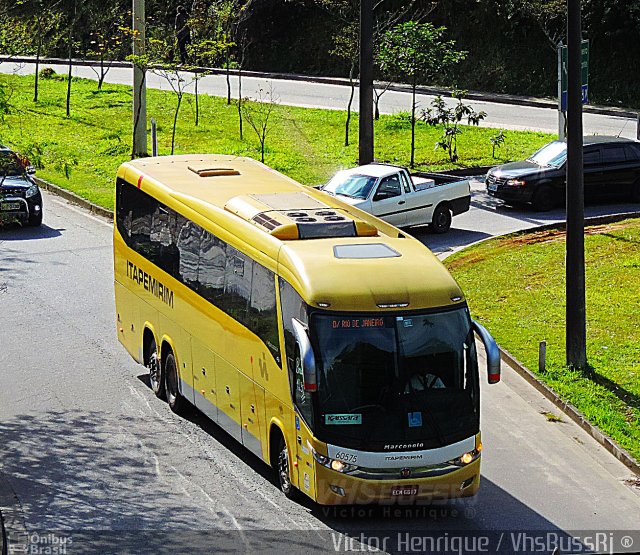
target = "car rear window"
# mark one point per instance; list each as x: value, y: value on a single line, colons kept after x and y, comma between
x: 591, y: 157
x: 613, y: 154
x: 632, y: 152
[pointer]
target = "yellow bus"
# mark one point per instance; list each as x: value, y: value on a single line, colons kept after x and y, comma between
x: 332, y: 345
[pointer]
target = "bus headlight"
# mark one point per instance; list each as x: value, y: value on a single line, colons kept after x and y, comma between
x: 334, y: 464
x: 466, y: 458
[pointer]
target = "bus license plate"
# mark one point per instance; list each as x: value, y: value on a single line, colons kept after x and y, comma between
x: 7, y: 206
x: 404, y: 490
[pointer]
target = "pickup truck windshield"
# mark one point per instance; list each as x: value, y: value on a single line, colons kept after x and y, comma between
x: 401, y: 379
x: 554, y: 154
x: 354, y: 186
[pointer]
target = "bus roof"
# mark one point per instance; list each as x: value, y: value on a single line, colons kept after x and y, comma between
x: 332, y: 253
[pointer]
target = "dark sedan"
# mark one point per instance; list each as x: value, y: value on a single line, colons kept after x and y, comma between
x: 20, y: 197
x: 611, y: 171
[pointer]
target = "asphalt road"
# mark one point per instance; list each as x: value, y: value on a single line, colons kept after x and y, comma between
x: 97, y: 461
x: 319, y: 95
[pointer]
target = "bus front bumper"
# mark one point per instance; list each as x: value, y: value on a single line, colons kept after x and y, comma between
x: 333, y: 488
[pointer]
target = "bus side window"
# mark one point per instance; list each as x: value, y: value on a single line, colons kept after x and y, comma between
x: 263, y: 317
x: 213, y: 259
x: 237, y: 285
x: 293, y: 306
x: 188, y: 250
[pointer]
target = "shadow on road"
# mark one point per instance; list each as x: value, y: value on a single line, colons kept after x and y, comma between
x: 16, y: 232
x: 84, y: 480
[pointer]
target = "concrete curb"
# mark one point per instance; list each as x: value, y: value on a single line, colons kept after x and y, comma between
x: 75, y: 199
x: 573, y: 413
x: 480, y: 96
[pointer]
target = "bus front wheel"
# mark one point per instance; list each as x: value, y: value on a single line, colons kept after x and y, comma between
x: 283, y: 468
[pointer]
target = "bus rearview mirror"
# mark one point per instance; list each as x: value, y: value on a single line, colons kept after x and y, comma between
x: 492, y: 350
x: 307, y: 358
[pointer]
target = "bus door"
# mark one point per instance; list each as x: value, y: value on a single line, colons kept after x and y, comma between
x: 304, y: 458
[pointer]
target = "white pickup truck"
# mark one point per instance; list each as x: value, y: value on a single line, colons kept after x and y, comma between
x: 400, y: 198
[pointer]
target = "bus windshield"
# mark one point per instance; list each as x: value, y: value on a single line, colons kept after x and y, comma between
x: 386, y: 381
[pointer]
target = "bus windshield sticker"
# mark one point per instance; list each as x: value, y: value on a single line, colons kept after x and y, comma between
x: 415, y: 419
x: 340, y: 419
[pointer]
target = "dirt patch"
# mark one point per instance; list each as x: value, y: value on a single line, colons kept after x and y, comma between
x: 524, y: 238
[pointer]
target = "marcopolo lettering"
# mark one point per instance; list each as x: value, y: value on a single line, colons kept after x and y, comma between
x: 149, y: 283
x: 401, y: 446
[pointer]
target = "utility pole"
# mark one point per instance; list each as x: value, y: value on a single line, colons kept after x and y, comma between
x: 576, y: 331
x: 365, y: 138
x: 139, y: 84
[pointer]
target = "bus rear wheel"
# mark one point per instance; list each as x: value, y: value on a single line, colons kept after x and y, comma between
x: 176, y: 401
x: 156, y: 378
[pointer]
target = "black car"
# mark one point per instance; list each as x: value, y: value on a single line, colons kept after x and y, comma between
x: 20, y: 197
x: 611, y: 171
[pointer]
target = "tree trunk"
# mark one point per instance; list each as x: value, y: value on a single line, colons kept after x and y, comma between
x: 413, y: 121
x: 228, y: 77
x: 38, y: 52
x: 240, y: 100
x: 175, y: 123
x: 102, y: 72
x: 197, y: 104
x: 353, y: 91
x: 69, y: 73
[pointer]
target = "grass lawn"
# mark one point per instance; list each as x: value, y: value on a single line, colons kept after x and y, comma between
x: 515, y: 286
x: 82, y: 153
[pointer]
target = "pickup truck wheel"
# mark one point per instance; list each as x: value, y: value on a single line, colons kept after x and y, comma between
x: 441, y: 220
x: 542, y: 200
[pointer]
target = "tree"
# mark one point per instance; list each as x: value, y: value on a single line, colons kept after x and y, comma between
x: 159, y: 55
x: 450, y: 119
x: 42, y: 16
x: 258, y: 114
x: 417, y: 52
x: 107, y: 39
x: 347, y: 40
x: 347, y: 47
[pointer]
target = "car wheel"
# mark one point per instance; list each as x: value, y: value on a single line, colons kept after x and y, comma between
x: 543, y: 199
x: 35, y: 220
x: 283, y: 469
x: 441, y: 220
x: 176, y: 401
x: 156, y: 378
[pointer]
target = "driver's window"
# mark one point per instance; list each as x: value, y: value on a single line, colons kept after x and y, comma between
x: 389, y: 187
